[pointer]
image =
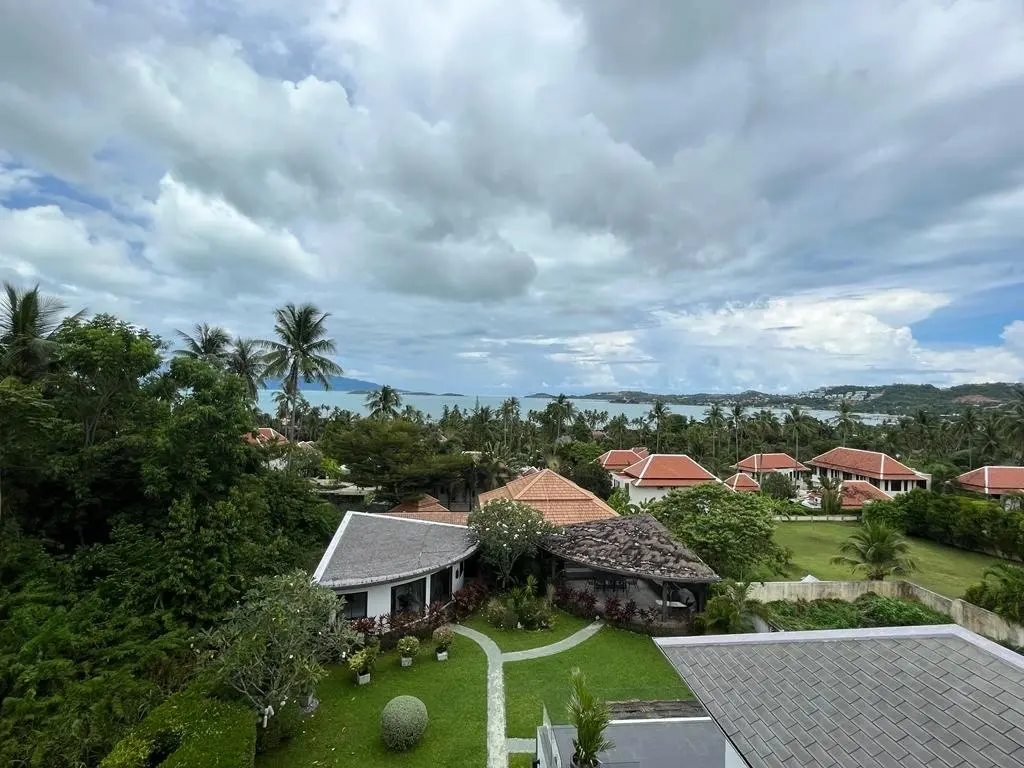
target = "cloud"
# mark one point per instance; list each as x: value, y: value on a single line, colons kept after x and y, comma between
x: 673, y: 195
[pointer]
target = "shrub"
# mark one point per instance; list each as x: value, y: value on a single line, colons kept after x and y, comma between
x: 443, y: 637
x: 889, y: 513
x: 189, y: 729
x: 403, y: 723
x: 499, y: 614
x: 778, y: 486
x: 362, y: 661
x: 469, y: 599
x: 869, y: 610
x: 281, y: 727
x: 408, y: 646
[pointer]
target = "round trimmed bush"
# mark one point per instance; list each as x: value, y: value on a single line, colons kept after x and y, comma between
x: 403, y: 723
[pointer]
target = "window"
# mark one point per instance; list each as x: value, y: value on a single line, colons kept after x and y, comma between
x: 355, y: 605
x: 441, y: 586
x: 409, y: 598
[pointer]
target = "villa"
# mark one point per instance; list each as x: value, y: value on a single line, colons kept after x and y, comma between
x: 265, y: 436
x: 426, y: 507
x: 743, y: 483
x: 619, y: 459
x: 653, y: 477
x: 384, y: 564
x: 558, y: 498
x: 993, y: 481
x: 759, y: 464
x: 874, y: 467
x: 854, y: 496
x: 906, y: 697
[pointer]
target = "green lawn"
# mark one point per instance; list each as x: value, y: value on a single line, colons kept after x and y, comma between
x: 509, y: 640
x: 619, y: 665
x: 520, y: 760
x: 345, y: 729
x: 942, y: 569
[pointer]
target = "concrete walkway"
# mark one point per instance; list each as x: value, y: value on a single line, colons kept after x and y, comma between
x: 498, y: 746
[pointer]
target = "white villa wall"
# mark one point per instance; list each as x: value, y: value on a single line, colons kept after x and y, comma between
x: 892, y: 487
x: 646, y: 493
x: 378, y: 596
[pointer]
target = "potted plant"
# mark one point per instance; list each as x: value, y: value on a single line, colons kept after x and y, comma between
x: 362, y: 661
x: 443, y: 637
x: 408, y: 647
x: 591, y: 717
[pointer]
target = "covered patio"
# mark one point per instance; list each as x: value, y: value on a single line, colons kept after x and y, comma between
x: 631, y: 558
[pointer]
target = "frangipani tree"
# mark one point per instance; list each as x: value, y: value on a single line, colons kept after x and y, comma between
x: 507, y: 530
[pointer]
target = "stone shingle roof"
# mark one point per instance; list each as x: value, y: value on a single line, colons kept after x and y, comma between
x: 371, y: 549
x: 635, y: 545
x: 907, y: 697
x: 558, y: 498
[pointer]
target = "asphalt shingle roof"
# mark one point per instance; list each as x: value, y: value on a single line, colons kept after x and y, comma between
x: 912, y: 697
x: 370, y: 549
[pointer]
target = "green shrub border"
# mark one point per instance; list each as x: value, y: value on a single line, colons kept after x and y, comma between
x: 210, y: 733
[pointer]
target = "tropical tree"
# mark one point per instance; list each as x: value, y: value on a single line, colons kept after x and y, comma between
x: 658, y: 413
x: 831, y: 489
x: 300, y: 350
x: 507, y: 531
x: 797, y: 425
x: 845, y: 420
x: 561, y: 411
x: 876, y: 550
x: 618, y: 430
x: 246, y: 361
x: 767, y: 426
x: 1012, y: 423
x: 990, y: 438
x: 384, y: 404
x: 210, y: 343
x: 731, y: 610
x: 737, y: 416
x: 716, y: 423
x: 28, y: 323
x: 508, y: 412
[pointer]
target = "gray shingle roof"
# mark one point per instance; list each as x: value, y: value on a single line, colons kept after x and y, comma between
x: 370, y: 549
x: 637, y: 545
x: 939, y: 697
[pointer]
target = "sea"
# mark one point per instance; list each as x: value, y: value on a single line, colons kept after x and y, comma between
x: 433, y: 405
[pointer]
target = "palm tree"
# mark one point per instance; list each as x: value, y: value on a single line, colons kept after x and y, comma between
x: 1012, y: 423
x: 990, y: 438
x: 562, y: 412
x: 28, y: 324
x: 618, y: 429
x: 965, y: 428
x: 878, y: 551
x: 737, y: 415
x: 767, y: 425
x: 796, y: 425
x: 658, y: 413
x: 384, y: 403
x: 300, y: 350
x: 831, y: 495
x: 247, y: 362
x: 845, y: 419
x: 206, y: 342
x: 509, y: 414
x: 716, y: 422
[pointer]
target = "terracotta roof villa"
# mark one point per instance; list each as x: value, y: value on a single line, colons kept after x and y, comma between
x: 879, y: 469
x: 743, y: 482
x: 558, y: 498
x: 653, y: 477
x: 620, y: 458
x: 993, y: 481
x: 265, y: 435
x: 632, y: 558
x: 759, y: 463
x: 426, y: 507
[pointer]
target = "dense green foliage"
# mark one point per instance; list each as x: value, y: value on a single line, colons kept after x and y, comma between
x: 731, y: 532
x: 868, y: 610
x: 190, y: 729
x: 778, y: 486
x: 730, y: 610
x: 132, y: 515
x: 403, y: 722
x: 875, y: 550
x: 507, y: 532
x: 1001, y: 591
x: 958, y: 520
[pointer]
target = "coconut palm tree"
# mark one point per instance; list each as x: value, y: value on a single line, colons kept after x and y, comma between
x: 767, y: 426
x: 878, y: 551
x: 831, y: 489
x: 618, y: 430
x: 28, y: 323
x: 508, y: 412
x: 384, y: 404
x: 990, y: 438
x: 658, y: 413
x: 737, y: 415
x: 796, y: 425
x: 966, y: 428
x: 1012, y: 423
x: 300, y: 350
x: 716, y: 423
x: 845, y: 419
x: 562, y: 411
x: 247, y: 362
x: 206, y: 342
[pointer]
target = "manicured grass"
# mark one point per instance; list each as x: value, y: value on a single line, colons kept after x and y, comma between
x: 508, y: 640
x: 345, y: 729
x: 946, y: 570
x: 520, y: 760
x: 619, y: 666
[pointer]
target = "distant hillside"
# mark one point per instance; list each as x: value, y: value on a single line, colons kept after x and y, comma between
x: 890, y: 398
x: 338, y: 383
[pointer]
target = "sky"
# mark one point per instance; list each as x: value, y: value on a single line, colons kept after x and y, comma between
x: 567, y: 195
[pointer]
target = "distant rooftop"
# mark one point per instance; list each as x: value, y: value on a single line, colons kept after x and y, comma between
x: 912, y: 697
x: 993, y: 480
x: 558, y: 498
x: 743, y: 482
x: 665, y: 470
x: 880, y: 466
x: 426, y: 507
x: 768, y: 462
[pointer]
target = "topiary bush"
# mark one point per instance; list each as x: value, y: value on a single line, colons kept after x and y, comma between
x: 403, y: 723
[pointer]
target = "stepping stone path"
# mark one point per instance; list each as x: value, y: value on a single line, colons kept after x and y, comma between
x: 498, y: 746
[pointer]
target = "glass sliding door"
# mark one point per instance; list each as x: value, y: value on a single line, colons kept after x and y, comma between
x: 410, y: 597
x: 441, y: 586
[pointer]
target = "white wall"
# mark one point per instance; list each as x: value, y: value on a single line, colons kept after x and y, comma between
x: 645, y: 493
x: 378, y: 596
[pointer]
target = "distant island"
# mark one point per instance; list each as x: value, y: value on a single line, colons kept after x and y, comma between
x: 338, y: 383
x: 889, y: 398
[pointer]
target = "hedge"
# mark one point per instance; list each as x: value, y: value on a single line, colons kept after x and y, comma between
x: 192, y: 731
x: 868, y: 610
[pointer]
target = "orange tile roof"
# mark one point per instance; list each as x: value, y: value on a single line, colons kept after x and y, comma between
x: 879, y: 466
x: 559, y: 499
x: 618, y: 458
x: 856, y: 493
x: 265, y: 435
x: 741, y: 481
x: 664, y: 470
x: 768, y: 462
x: 993, y: 480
